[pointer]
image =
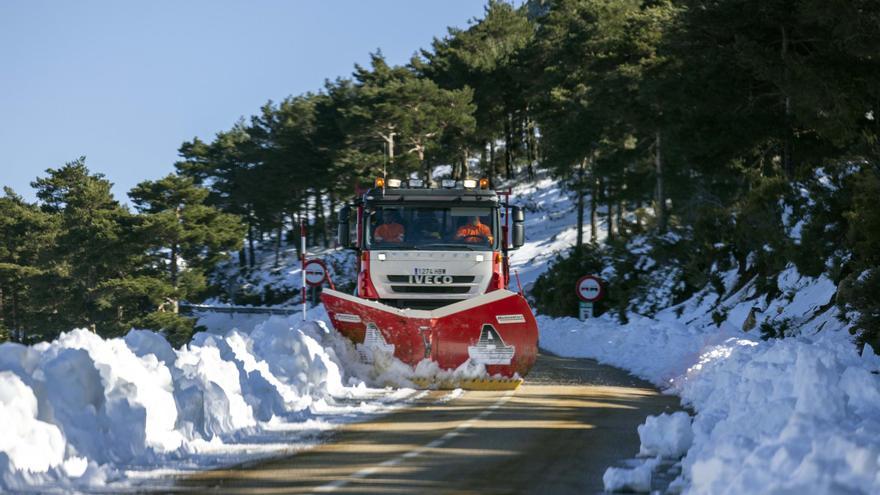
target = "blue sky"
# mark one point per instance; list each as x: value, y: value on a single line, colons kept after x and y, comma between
x: 124, y: 82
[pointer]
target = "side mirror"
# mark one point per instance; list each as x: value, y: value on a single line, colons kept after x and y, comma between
x: 519, y: 229
x: 519, y: 215
x: 343, y: 236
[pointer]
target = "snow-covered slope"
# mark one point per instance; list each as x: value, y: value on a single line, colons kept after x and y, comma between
x: 550, y: 227
x: 794, y: 415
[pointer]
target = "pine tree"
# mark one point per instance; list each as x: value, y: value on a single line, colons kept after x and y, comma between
x: 186, y: 240
x: 487, y: 58
x: 26, y: 233
x: 227, y: 164
x: 93, y: 246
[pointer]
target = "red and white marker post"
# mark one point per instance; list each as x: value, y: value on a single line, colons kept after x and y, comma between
x: 590, y: 289
x: 302, y: 261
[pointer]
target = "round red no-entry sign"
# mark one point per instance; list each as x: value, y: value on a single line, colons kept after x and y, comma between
x: 316, y: 272
x: 590, y: 288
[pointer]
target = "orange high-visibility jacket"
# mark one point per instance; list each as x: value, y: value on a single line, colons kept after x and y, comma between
x: 474, y: 233
x: 389, y: 232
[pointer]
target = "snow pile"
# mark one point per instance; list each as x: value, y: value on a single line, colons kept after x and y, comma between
x: 797, y: 415
x: 667, y: 435
x: 81, y: 410
x: 664, y: 437
x: 637, y: 479
x: 27, y: 442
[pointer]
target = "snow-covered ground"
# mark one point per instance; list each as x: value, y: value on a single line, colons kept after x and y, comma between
x: 794, y: 415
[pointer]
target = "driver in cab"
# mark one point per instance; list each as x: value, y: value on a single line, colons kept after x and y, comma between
x: 474, y: 232
x: 391, y: 230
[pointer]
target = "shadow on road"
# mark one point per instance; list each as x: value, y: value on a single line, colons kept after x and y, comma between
x: 557, y: 434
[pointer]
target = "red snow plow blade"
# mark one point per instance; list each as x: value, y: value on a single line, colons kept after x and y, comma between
x: 496, y: 329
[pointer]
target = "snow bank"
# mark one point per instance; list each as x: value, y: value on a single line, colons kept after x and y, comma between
x: 655, y: 350
x: 796, y: 415
x: 799, y: 415
x: 82, y: 411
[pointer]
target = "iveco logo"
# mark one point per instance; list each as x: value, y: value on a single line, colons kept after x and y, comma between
x: 430, y: 279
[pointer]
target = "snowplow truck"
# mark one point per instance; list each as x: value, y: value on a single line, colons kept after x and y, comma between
x: 433, y: 281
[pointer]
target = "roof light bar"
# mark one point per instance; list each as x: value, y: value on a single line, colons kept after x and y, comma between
x: 394, y: 182
x: 469, y: 183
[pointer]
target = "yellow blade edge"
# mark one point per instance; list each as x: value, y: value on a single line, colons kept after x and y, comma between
x: 469, y: 383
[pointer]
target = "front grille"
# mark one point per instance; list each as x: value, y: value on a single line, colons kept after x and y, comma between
x: 430, y: 289
x: 425, y: 304
x: 456, y: 279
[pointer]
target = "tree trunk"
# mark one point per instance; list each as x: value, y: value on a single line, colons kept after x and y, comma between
x: 175, y: 249
x: 787, y: 164
x: 252, y: 261
x: 581, y: 191
x: 296, y: 233
x: 2, y: 310
x: 175, y: 252
x: 389, y: 145
x: 492, y: 163
x: 463, y: 173
x: 320, y: 219
x: 15, y: 325
x: 508, y: 142
x: 391, y: 149
x: 533, y: 145
x: 331, y: 220
x: 620, y: 217
x: 594, y: 216
x: 638, y: 206
x: 660, y: 208
x: 420, y: 150
x: 278, y: 235
x: 609, y: 202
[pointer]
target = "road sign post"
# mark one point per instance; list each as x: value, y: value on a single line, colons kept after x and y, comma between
x: 586, y: 310
x: 590, y: 289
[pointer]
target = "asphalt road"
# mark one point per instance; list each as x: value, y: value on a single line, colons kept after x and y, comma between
x: 556, y: 434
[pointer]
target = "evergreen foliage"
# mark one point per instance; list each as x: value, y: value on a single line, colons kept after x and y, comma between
x: 78, y: 258
x: 721, y: 121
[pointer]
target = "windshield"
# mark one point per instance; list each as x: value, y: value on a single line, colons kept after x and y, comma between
x: 428, y: 227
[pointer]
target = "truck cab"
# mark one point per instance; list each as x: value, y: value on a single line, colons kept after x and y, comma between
x: 425, y: 248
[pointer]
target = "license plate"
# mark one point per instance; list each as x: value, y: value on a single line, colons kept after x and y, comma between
x: 429, y: 271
